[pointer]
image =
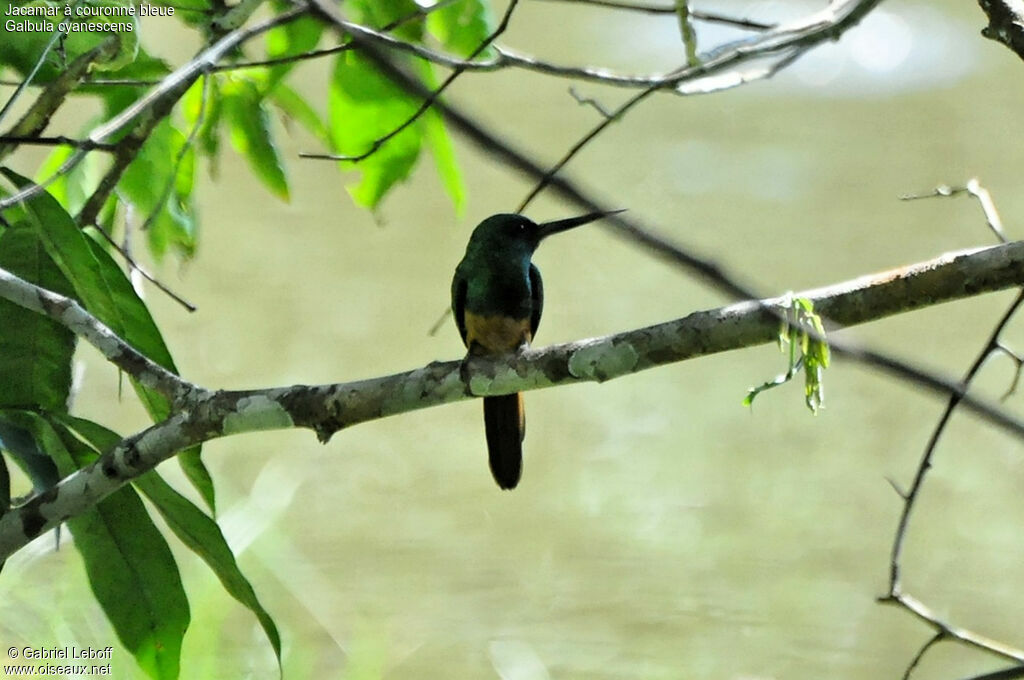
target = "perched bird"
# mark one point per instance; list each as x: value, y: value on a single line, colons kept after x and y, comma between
x: 497, y: 299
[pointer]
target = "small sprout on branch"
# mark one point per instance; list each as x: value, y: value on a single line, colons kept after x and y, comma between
x: 590, y: 101
x: 686, y: 32
x: 897, y: 488
x: 804, y: 333
x: 976, y: 191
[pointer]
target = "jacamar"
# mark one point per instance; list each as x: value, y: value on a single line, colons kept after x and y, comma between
x: 497, y: 298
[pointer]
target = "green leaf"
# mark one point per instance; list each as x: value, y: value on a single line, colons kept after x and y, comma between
x: 5, y: 490
x: 462, y: 26
x: 98, y: 282
x: 107, y: 293
x: 251, y: 135
x: 130, y: 566
x: 441, y: 146
x: 293, y: 105
x: 190, y: 524
x: 195, y: 470
x: 158, y: 183
x: 380, y: 13
x: 292, y: 39
x: 815, y: 355
x: 363, y: 107
x: 21, y: 48
x: 73, y: 188
x: 686, y: 32
x: 35, y: 351
x: 152, y: 345
x: 202, y: 535
x: 805, y: 351
x: 212, y: 116
x: 21, y: 445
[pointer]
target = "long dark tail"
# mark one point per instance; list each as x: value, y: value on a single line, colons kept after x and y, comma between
x: 505, y: 423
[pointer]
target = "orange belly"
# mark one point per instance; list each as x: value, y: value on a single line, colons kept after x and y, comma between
x: 496, y: 334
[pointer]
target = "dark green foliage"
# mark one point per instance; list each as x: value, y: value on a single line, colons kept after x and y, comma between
x: 106, y: 292
x: 130, y: 566
x: 158, y: 185
x: 249, y: 125
x: 45, y: 241
x: 462, y: 26
x: 190, y: 524
x: 804, y: 336
x: 21, y: 445
x: 35, y: 351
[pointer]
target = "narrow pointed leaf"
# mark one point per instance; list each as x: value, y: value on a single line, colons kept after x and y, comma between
x: 462, y: 26
x: 107, y: 293
x: 130, y: 567
x: 441, y: 147
x: 35, y: 351
x: 158, y: 183
x: 294, y: 106
x: 21, y: 445
x: 249, y: 125
x: 192, y: 526
x: 364, y: 106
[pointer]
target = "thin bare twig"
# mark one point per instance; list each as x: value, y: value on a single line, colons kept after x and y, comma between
x: 951, y: 631
x: 1018, y: 361
x: 788, y: 43
x: 545, y: 180
x: 933, y: 640
x: 616, y: 115
x: 59, y: 140
x: 135, y: 266
x: 976, y: 191
x: 1011, y: 673
x: 589, y: 101
x: 418, y: 14
x: 896, y: 595
x: 642, y: 8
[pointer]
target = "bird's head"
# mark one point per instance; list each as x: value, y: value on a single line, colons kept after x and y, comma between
x: 515, y: 232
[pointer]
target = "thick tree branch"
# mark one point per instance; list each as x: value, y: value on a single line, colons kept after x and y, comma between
x: 710, y: 17
x: 826, y: 24
x: 845, y: 13
x: 1005, y: 23
x: 326, y: 409
x: 71, y: 315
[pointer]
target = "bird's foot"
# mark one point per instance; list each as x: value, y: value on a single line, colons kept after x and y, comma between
x: 464, y: 374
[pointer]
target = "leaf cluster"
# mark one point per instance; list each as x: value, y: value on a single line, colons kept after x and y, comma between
x: 143, y: 177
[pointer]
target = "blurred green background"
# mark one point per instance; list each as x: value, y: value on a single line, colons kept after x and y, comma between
x: 661, y: 529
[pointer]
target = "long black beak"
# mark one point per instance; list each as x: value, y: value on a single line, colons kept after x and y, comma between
x: 548, y: 228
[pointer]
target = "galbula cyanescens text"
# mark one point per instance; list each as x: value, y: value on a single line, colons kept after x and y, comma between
x: 497, y: 298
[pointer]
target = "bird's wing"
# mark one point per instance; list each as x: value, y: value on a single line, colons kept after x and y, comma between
x: 459, y: 287
x: 536, y: 298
